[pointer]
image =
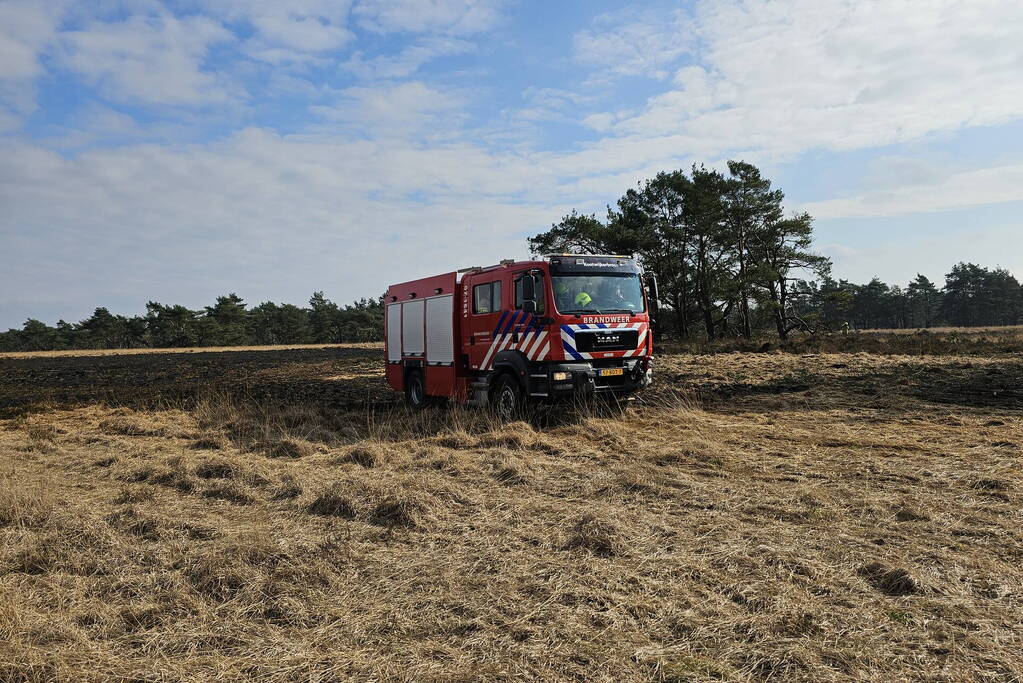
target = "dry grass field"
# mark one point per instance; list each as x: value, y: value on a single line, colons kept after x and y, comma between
x: 193, y: 349
x: 276, y: 515
x: 1011, y: 331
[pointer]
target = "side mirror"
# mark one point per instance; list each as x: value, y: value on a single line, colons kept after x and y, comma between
x: 651, y: 291
x: 529, y: 288
x: 529, y: 306
x: 654, y: 305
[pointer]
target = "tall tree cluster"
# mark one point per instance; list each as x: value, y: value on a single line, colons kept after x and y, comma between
x: 228, y: 322
x: 729, y: 262
x: 727, y: 258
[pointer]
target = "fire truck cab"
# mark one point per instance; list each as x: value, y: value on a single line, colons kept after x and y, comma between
x: 568, y: 326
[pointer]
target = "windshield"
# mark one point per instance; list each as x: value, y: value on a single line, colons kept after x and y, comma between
x: 603, y: 293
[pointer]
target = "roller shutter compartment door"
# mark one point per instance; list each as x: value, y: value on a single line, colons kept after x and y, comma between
x: 412, y: 341
x: 440, y: 332
x: 394, y: 332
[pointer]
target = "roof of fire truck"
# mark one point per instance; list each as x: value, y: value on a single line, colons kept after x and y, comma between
x: 507, y: 263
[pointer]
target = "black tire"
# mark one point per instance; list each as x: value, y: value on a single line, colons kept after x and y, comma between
x: 507, y: 399
x: 415, y: 391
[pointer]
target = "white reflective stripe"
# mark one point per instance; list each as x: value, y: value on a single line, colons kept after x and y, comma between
x: 531, y: 352
x: 525, y: 340
x: 528, y: 347
x: 490, y: 352
x: 504, y: 342
x: 543, y: 354
x: 639, y: 343
x: 545, y: 337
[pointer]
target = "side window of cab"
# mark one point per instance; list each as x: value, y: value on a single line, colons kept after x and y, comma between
x: 486, y: 298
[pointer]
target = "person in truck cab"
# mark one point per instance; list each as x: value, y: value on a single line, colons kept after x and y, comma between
x: 619, y: 301
x: 566, y: 301
x: 577, y: 294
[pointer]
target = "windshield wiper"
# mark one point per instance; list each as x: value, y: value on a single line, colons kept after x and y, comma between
x: 583, y: 310
x: 620, y: 310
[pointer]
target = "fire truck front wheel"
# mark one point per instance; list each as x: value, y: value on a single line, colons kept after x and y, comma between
x: 507, y: 398
x: 415, y: 390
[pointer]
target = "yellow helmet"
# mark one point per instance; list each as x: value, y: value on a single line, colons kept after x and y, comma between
x: 583, y: 299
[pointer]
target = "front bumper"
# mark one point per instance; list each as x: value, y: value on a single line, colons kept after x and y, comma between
x: 590, y: 378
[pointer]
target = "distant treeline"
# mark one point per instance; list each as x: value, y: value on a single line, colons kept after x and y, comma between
x: 972, y: 296
x: 229, y: 322
x: 730, y: 263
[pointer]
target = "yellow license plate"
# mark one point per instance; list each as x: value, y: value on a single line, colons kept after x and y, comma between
x: 612, y: 372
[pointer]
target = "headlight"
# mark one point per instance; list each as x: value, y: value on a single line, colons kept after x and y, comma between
x: 560, y: 376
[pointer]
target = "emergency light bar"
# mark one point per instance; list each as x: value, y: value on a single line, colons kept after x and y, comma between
x: 587, y: 256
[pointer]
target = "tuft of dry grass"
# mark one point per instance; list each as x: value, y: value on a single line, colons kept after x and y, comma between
x: 231, y: 491
x: 24, y: 506
x: 513, y: 471
x: 364, y: 455
x: 410, y: 509
x: 211, y: 441
x: 134, y: 494
x: 131, y: 520
x: 598, y: 535
x: 284, y: 448
x: 217, y: 469
x: 895, y: 581
x: 287, y: 489
x: 336, y: 500
x: 127, y: 426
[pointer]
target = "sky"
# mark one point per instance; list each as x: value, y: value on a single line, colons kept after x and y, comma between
x: 175, y: 151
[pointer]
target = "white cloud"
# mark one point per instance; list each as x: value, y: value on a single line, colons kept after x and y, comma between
x: 625, y: 43
x: 293, y: 31
x: 452, y: 17
x: 395, y: 110
x: 600, y: 122
x: 153, y: 60
x: 551, y: 104
x: 782, y: 77
x: 408, y: 60
x: 26, y: 29
x: 958, y: 190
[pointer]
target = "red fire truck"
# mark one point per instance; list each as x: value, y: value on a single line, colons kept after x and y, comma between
x: 566, y: 326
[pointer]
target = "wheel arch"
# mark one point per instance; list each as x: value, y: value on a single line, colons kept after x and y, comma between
x: 410, y: 369
x: 514, y: 363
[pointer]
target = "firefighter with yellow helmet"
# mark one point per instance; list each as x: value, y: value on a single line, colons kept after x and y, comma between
x: 565, y: 298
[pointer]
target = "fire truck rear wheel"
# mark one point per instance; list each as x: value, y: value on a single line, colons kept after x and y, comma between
x: 507, y: 398
x: 415, y: 390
